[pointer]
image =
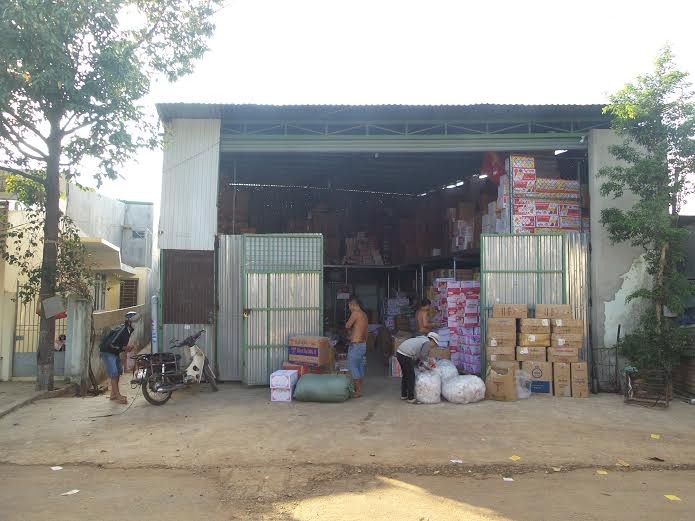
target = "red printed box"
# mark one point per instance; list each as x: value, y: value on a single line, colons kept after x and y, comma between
x: 547, y: 221
x: 522, y: 221
x: 546, y: 208
x: 522, y: 162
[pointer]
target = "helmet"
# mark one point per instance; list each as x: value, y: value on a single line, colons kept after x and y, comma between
x: 132, y: 316
x: 434, y: 337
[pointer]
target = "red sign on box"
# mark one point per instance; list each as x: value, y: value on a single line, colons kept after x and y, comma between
x: 547, y: 221
x: 546, y: 208
x: 570, y: 210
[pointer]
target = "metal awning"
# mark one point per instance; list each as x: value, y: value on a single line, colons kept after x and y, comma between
x: 105, y: 257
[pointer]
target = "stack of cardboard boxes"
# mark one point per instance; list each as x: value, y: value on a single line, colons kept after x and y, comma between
x: 547, y: 347
x: 359, y: 250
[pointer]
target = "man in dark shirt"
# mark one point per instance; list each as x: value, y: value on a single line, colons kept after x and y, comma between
x: 111, y: 348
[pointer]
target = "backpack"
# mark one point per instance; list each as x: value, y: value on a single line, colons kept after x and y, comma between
x: 109, y: 338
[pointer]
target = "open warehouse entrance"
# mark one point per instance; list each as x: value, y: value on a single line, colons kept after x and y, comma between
x: 401, y: 198
x: 396, y: 224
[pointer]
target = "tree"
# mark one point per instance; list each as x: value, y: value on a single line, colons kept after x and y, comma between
x: 656, y: 116
x: 20, y: 242
x: 72, y: 73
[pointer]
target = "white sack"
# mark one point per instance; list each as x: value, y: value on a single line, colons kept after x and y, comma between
x: 464, y: 389
x: 446, y: 369
x: 523, y: 385
x: 428, y: 387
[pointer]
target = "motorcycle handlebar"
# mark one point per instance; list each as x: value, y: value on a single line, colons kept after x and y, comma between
x: 189, y: 341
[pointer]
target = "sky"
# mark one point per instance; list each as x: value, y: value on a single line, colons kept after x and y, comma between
x: 425, y: 52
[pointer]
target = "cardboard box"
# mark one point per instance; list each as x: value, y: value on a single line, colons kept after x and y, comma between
x: 502, y: 357
x: 510, y: 311
x: 553, y: 311
x: 500, y: 384
x: 562, y: 379
x: 532, y: 354
x: 284, y: 379
x: 315, y: 351
x: 501, y: 340
x: 567, y: 355
x: 502, y: 325
x: 301, y: 369
x: 567, y: 326
x: 533, y: 339
x: 563, y: 340
x: 439, y: 352
x: 580, y: 380
x: 281, y: 395
x: 500, y: 364
x: 501, y: 350
x: 535, y: 325
x: 541, y: 376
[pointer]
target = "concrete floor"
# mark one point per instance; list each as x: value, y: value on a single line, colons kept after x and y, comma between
x: 14, y: 394
x: 235, y: 455
x: 240, y: 426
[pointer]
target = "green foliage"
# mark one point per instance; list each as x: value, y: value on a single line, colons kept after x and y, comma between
x: 77, y: 70
x: 23, y: 242
x: 656, y: 164
x: 652, y: 347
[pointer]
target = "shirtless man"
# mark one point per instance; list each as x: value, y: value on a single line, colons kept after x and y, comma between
x: 357, y: 325
x: 422, y: 318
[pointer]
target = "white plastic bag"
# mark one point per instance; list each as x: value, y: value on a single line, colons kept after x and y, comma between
x: 428, y: 387
x: 464, y: 389
x: 523, y: 385
x: 446, y: 369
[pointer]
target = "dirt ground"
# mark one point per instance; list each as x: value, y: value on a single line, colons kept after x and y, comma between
x: 236, y: 455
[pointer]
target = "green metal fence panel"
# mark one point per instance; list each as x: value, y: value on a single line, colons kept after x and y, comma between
x: 282, y: 295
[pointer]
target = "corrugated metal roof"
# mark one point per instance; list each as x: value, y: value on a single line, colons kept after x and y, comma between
x: 250, y: 112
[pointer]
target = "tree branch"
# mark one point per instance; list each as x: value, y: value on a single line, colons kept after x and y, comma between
x: 17, y: 140
x: 22, y: 173
x: 24, y: 122
x: 67, y: 132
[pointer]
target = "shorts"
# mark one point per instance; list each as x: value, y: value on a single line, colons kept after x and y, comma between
x: 356, y: 360
x: 113, y: 365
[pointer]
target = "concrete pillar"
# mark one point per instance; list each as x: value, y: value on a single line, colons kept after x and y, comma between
x: 79, y: 335
x: 616, y: 269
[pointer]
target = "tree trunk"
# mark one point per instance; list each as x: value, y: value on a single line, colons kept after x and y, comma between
x: 44, y: 356
x: 659, y: 283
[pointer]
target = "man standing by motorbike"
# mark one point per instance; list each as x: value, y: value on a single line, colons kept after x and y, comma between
x: 111, y: 347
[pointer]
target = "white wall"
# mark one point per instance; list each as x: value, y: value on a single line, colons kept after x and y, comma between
x: 616, y: 269
x: 188, y: 219
x: 96, y: 215
x: 137, y: 252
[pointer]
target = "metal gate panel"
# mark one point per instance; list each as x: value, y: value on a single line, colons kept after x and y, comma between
x: 229, y: 319
x: 534, y: 269
x: 282, y: 295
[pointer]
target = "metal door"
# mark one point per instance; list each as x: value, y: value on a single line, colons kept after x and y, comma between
x: 535, y: 269
x: 282, y: 295
x: 26, y: 341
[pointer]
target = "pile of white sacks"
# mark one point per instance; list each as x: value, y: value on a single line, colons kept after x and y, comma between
x: 443, y: 380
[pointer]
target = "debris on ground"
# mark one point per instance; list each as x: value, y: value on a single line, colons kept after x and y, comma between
x: 70, y: 492
x: 57, y: 468
x: 671, y: 497
x: 508, y: 479
x: 514, y: 457
x: 622, y: 463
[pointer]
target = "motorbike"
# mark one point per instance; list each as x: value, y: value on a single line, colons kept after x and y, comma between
x: 160, y: 374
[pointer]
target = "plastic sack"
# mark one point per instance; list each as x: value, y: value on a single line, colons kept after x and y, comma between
x: 323, y: 388
x: 464, y: 389
x: 428, y: 387
x: 446, y: 369
x: 523, y: 385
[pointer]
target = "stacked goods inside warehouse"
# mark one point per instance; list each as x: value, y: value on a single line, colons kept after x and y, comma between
x: 399, y: 228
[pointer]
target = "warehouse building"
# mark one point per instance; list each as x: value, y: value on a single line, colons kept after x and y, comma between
x: 271, y: 215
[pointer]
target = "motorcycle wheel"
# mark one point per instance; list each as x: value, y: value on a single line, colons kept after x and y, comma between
x: 210, y: 376
x: 154, y: 397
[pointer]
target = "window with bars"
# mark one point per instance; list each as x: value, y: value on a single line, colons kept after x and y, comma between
x: 129, y: 293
